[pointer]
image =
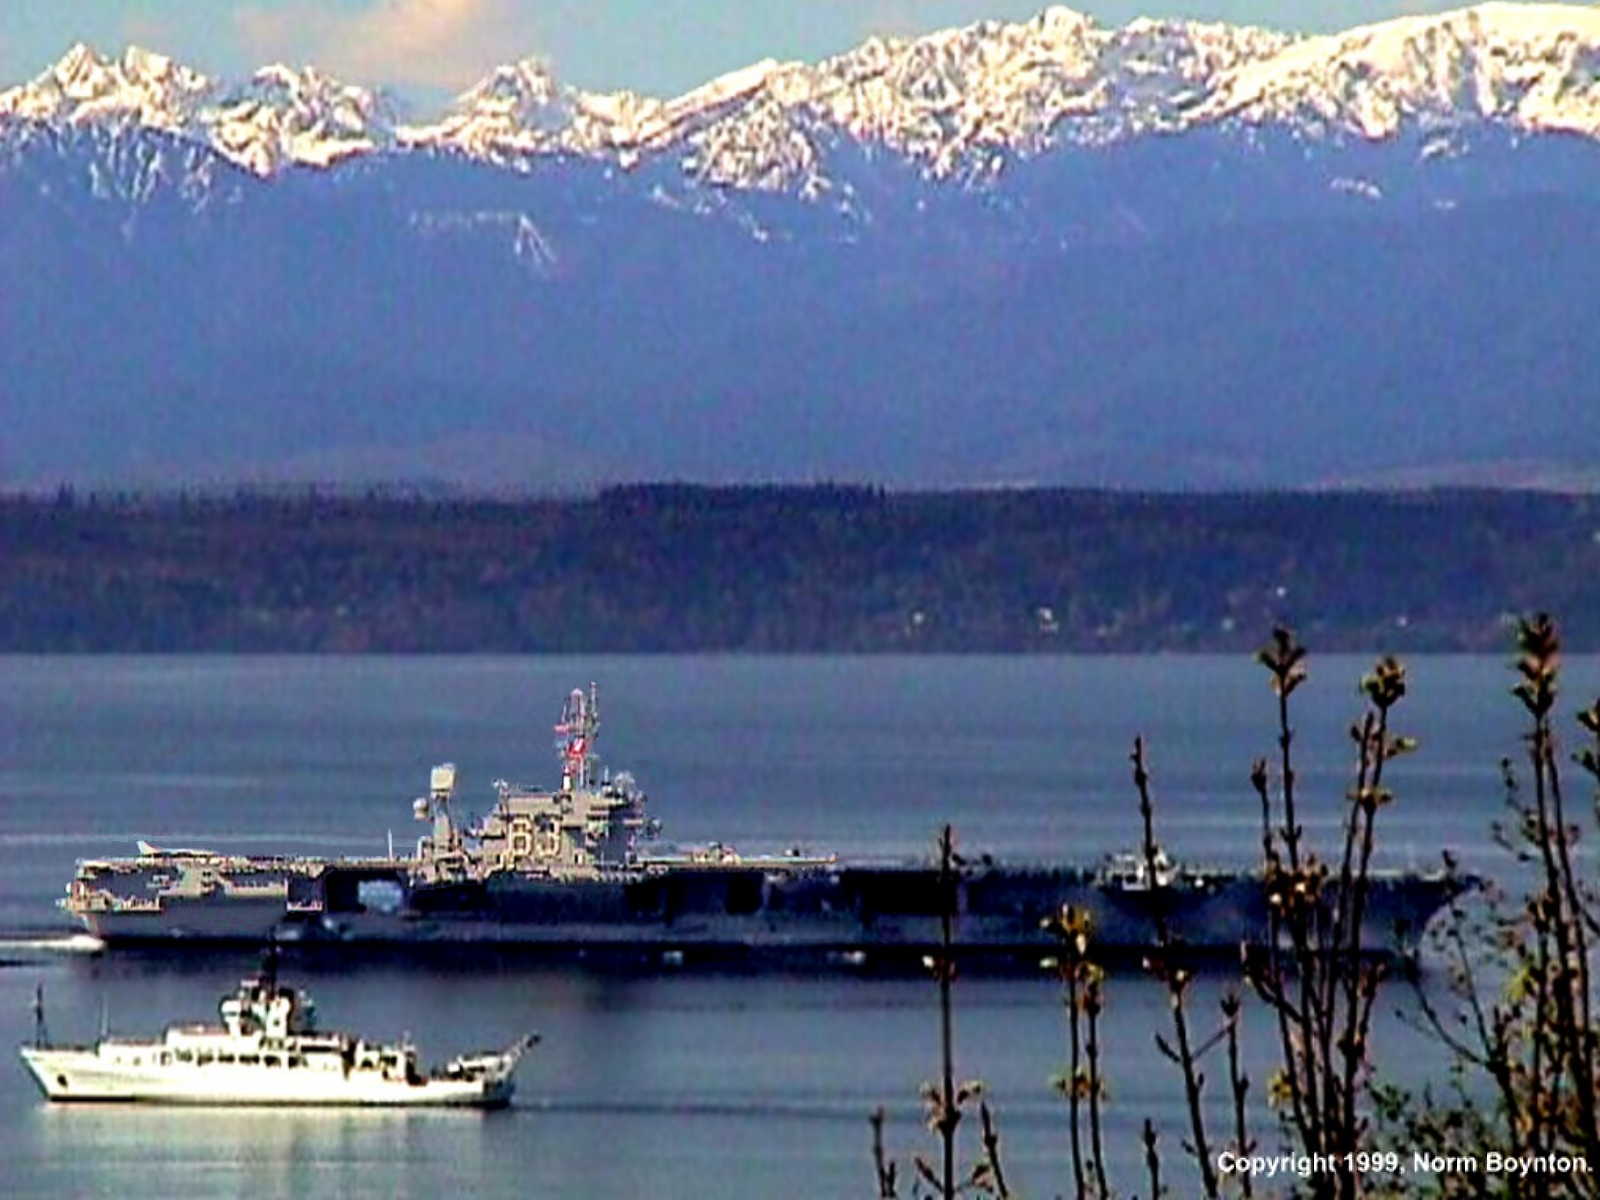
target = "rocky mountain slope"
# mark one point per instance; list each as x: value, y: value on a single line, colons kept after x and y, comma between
x: 1164, y: 254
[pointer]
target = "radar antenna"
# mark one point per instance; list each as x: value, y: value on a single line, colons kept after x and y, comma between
x: 577, y: 729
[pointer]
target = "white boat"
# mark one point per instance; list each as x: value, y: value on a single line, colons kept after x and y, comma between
x: 267, y: 1051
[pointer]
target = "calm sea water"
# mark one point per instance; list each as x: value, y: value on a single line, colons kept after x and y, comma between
x: 666, y: 1084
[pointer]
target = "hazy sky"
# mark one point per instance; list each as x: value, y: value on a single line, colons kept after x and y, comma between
x: 423, y: 47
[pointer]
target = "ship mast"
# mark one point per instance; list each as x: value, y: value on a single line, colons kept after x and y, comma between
x: 41, y: 1036
x: 576, y: 732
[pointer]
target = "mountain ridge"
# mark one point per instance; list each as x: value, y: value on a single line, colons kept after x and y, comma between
x: 955, y: 102
x: 1166, y: 254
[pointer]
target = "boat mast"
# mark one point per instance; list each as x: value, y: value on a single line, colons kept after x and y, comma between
x: 269, y: 967
x: 41, y: 1035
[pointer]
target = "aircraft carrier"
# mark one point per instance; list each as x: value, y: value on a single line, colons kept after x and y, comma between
x: 576, y: 869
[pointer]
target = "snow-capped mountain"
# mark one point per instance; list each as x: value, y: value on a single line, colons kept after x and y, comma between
x: 140, y: 89
x: 519, y: 112
x: 1531, y: 67
x: 279, y: 117
x: 960, y: 103
x: 957, y: 104
x: 283, y: 116
x: 1162, y: 254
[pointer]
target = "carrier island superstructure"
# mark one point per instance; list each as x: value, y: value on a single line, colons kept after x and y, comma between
x: 577, y: 869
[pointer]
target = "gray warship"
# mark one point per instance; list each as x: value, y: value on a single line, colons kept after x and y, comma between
x: 578, y: 869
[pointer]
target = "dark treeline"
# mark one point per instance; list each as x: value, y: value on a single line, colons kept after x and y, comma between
x: 827, y: 568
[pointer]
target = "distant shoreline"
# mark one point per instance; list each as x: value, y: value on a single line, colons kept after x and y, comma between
x: 680, y: 568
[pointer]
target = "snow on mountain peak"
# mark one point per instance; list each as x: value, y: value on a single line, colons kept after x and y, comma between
x: 521, y: 110
x: 1532, y: 66
x: 512, y: 111
x: 518, y: 94
x: 287, y: 116
x: 959, y: 103
x: 142, y: 88
x: 955, y: 102
x: 1061, y: 20
x: 279, y: 117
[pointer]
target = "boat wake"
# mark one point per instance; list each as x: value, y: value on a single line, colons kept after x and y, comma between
x: 34, y: 949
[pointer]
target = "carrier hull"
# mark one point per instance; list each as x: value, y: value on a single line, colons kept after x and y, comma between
x: 845, y: 911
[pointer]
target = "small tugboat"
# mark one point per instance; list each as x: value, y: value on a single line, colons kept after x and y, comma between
x: 267, y: 1051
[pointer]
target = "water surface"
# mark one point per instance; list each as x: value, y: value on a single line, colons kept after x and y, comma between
x: 667, y: 1084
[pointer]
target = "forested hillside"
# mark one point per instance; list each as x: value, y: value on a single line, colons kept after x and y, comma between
x: 684, y: 568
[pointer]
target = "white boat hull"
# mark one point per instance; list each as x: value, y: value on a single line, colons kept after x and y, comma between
x: 89, y: 1074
